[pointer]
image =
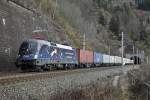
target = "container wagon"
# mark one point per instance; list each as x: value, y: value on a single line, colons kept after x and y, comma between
x: 106, y: 60
x: 98, y: 59
x: 85, y: 58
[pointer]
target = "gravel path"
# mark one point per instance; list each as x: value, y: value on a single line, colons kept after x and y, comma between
x: 45, y: 89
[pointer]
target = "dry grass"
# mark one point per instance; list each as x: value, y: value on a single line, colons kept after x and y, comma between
x: 137, y: 91
x: 100, y: 90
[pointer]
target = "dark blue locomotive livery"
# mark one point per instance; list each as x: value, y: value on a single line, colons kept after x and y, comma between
x: 42, y: 54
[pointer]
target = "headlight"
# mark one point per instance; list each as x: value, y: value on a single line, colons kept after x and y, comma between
x: 18, y: 56
x: 36, y: 56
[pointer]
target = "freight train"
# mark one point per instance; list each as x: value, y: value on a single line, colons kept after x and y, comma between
x: 42, y: 55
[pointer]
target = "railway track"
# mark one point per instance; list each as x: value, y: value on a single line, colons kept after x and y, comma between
x: 26, y: 77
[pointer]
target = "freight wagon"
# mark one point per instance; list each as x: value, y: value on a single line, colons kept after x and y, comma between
x: 85, y: 58
x: 112, y: 61
x: 106, y: 60
x: 98, y: 59
x: 118, y: 60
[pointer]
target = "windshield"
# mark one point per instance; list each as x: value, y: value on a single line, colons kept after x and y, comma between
x: 28, y: 48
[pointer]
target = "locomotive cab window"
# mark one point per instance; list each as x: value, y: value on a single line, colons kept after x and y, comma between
x: 32, y: 47
x: 28, y: 48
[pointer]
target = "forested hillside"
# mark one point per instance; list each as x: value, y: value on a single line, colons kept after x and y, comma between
x: 102, y: 21
x: 132, y: 18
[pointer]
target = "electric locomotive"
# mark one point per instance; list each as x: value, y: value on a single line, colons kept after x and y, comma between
x: 41, y: 55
